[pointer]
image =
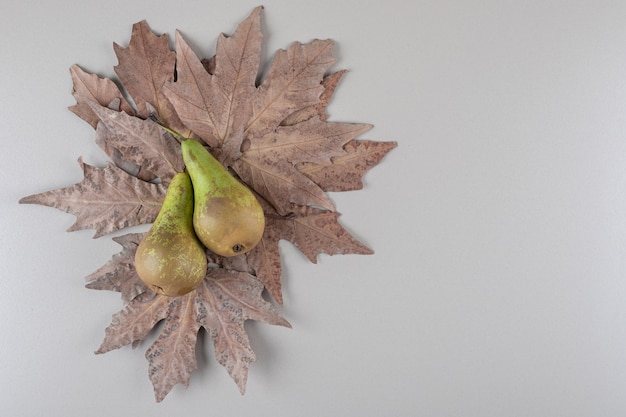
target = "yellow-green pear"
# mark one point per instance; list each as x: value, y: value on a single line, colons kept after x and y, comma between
x: 227, y: 217
x: 170, y: 259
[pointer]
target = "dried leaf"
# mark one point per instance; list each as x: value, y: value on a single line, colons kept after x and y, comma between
x: 142, y: 142
x: 209, y: 64
x: 172, y: 357
x: 230, y: 298
x: 320, y: 232
x: 107, y: 199
x: 293, y: 83
x: 267, y: 162
x: 329, y: 83
x: 134, y: 322
x: 119, y: 273
x: 103, y: 140
x: 216, y: 106
x: 280, y: 183
x: 310, y: 230
x: 309, y: 141
x: 265, y: 260
x: 207, y: 102
x: 91, y: 88
x: 221, y: 305
x: 346, y: 172
x: 144, y: 67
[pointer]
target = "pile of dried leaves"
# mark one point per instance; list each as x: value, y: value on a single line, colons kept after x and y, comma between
x: 274, y: 136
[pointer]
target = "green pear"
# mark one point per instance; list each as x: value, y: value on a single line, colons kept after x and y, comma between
x: 227, y: 217
x: 170, y: 259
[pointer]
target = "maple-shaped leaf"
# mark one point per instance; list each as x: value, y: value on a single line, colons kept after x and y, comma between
x: 216, y: 106
x: 135, y: 321
x: 346, y: 171
x: 145, y: 66
x: 119, y: 273
x: 267, y: 164
x: 312, y: 140
x: 312, y: 231
x: 230, y: 298
x: 91, y: 88
x: 220, y: 305
x: 107, y: 199
x: 172, y: 357
x: 142, y: 142
x: 329, y: 83
x: 224, y: 108
x: 280, y: 183
x: 293, y: 82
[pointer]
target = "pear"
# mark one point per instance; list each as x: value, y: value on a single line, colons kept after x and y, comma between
x: 227, y: 217
x: 170, y: 259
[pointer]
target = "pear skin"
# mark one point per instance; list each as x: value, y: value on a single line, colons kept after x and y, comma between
x: 227, y: 217
x: 170, y: 259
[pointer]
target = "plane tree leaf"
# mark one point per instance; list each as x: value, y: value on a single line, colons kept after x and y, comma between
x: 119, y: 273
x: 220, y: 304
x: 216, y: 106
x: 90, y: 87
x: 142, y: 142
x: 312, y: 231
x: 346, y: 171
x: 107, y: 199
x: 144, y: 67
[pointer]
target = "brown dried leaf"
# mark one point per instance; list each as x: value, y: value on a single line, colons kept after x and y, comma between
x: 228, y: 299
x: 221, y: 305
x: 90, y: 87
x: 142, y: 142
x: 144, y: 67
x: 235, y: 263
x: 119, y: 273
x: 346, y: 172
x: 315, y: 231
x: 209, y: 64
x: 134, y: 322
x: 280, y: 183
x: 107, y: 199
x: 329, y: 83
x: 101, y: 140
x: 267, y: 161
x: 320, y: 232
x: 265, y: 259
x: 293, y: 83
x: 312, y: 140
x: 217, y: 106
x: 188, y: 97
x: 172, y: 357
x: 310, y: 230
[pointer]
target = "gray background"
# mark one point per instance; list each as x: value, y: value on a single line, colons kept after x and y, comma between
x: 498, y: 287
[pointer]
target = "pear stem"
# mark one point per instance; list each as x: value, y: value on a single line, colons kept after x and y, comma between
x: 174, y: 133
